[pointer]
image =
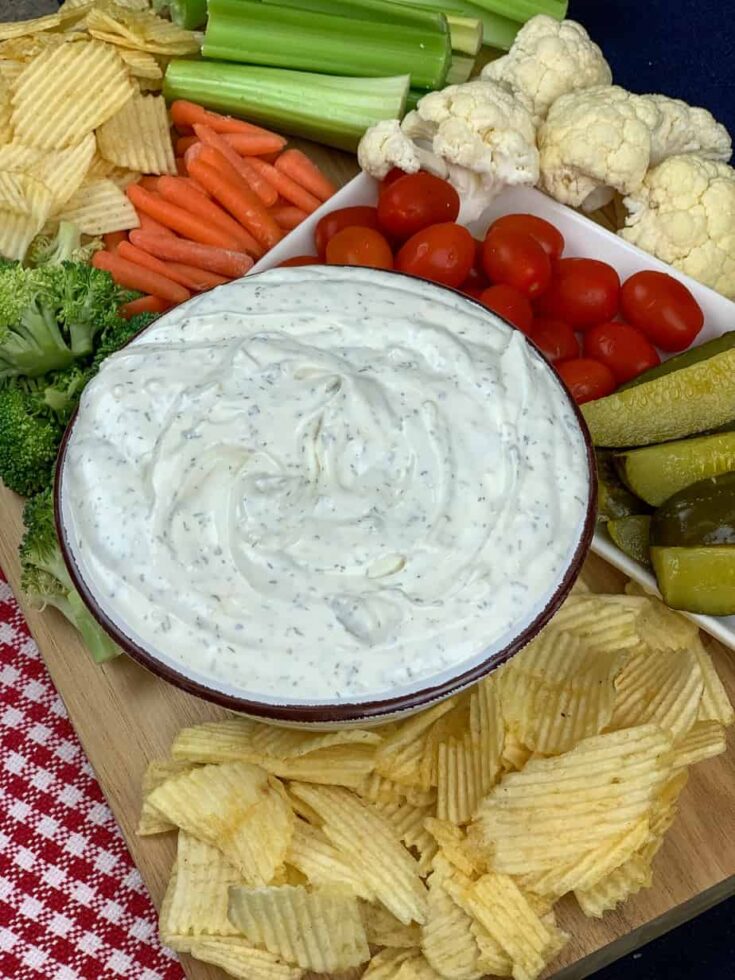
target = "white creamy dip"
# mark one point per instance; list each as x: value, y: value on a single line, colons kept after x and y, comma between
x: 324, y: 483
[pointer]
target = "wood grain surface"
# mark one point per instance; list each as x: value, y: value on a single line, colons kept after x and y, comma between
x: 125, y: 717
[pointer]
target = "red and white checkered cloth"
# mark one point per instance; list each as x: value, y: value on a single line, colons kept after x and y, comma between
x: 72, y: 905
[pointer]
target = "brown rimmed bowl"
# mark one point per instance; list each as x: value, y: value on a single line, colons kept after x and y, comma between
x: 370, y: 709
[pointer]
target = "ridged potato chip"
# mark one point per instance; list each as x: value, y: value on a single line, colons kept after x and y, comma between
x: 63, y: 171
x: 320, y: 930
x: 605, y: 623
x: 152, y: 821
x: 236, y: 807
x: 6, y: 112
x: 384, y: 929
x: 399, y: 757
x: 617, y: 887
x: 242, y: 960
x: 379, y: 789
x: 408, y: 822
x: 715, y: 704
x: 515, y: 755
x: 138, y: 136
x: 447, y: 940
x: 23, y: 28
x: 142, y: 31
x: 22, y: 194
x: 417, y: 967
x: 313, y: 854
x: 452, y: 845
x: 661, y: 628
x: 373, y: 847
x: 55, y: 118
x: 99, y: 207
x: 703, y: 741
x: 492, y: 959
x: 454, y: 723
x: 557, y: 691
x: 17, y: 231
x: 17, y: 158
x: 386, y: 964
x: 141, y: 64
x: 556, y: 809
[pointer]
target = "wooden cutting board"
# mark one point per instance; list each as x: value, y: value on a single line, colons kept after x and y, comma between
x: 125, y: 717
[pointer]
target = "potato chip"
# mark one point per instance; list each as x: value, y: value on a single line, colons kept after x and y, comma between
x: 704, y: 740
x: 663, y: 812
x: 617, y: 887
x: 383, y: 929
x: 386, y: 964
x: 236, y: 807
x: 408, y: 822
x: 60, y: 116
x: 416, y: 967
x: 558, y: 691
x: 379, y: 789
x: 152, y: 821
x: 399, y: 757
x: 661, y: 628
x: 17, y: 231
x: 197, y: 905
x: 23, y: 194
x: 320, y: 930
x: 492, y: 959
x: 659, y: 686
x: 501, y: 908
x: 452, y: 843
x: 373, y: 847
x: 454, y: 723
x: 715, y: 704
x: 241, y: 959
x: 22, y: 28
x: 138, y: 136
x: 17, y: 158
x: 313, y: 854
x: 556, y: 809
x: 143, y: 31
x: 141, y: 64
x: 63, y: 171
x: 591, y: 867
x: 515, y: 755
x: 605, y: 623
x: 10, y: 72
x: 99, y: 207
x: 447, y: 941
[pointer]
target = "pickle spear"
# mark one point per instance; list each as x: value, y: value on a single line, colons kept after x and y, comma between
x: 631, y: 535
x: 613, y: 499
x: 689, y: 401
x: 655, y: 473
x: 694, y: 355
x: 693, y: 547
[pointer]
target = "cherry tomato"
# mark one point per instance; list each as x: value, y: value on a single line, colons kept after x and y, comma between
x: 299, y: 260
x: 582, y: 292
x: 662, y: 308
x: 443, y: 253
x: 328, y: 226
x: 548, y: 237
x: 476, y: 278
x: 359, y: 246
x: 518, y: 260
x: 414, y: 202
x: 390, y: 177
x: 475, y: 292
x: 586, y: 379
x: 625, y: 350
x: 555, y: 339
x: 510, y: 304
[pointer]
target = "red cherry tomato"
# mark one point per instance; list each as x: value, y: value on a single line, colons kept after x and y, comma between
x: 328, y: 226
x: 555, y: 339
x: 516, y: 259
x: 443, y: 253
x: 662, y: 308
x: 548, y: 237
x: 476, y: 278
x: 510, y: 304
x: 582, y: 292
x: 622, y: 348
x: 392, y: 175
x: 586, y: 379
x: 299, y: 260
x: 475, y: 292
x: 414, y: 202
x: 359, y: 246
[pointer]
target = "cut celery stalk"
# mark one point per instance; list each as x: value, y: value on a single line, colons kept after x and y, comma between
x: 497, y: 31
x: 330, y: 109
x: 287, y: 37
x: 460, y: 69
x: 189, y: 14
x: 374, y: 10
x: 465, y: 34
x: 523, y: 10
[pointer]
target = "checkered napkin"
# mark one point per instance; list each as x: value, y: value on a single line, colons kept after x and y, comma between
x: 72, y: 905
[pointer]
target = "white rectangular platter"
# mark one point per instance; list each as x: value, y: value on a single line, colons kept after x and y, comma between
x: 583, y: 237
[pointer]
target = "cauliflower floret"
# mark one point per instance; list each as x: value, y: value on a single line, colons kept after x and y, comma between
x: 683, y: 128
x: 550, y: 58
x: 595, y: 142
x: 385, y: 145
x: 684, y: 213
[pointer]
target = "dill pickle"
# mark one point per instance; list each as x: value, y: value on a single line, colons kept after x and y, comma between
x: 631, y: 535
x: 688, y: 357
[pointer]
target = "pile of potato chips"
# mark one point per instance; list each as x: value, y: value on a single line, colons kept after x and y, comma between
x: 77, y: 120
x: 437, y: 846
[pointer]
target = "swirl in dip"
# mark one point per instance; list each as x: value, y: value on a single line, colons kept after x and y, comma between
x: 324, y: 483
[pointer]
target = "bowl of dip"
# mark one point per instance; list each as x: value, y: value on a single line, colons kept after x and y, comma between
x: 323, y: 495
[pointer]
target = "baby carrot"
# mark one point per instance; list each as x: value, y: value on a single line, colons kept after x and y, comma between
x: 178, y: 219
x: 305, y: 172
x: 183, y: 143
x: 133, y: 276
x: 185, y: 113
x: 204, y: 280
x: 144, y: 304
x: 224, y: 262
x: 150, y: 224
x: 180, y: 166
x: 261, y: 187
x: 287, y: 216
x: 149, y: 182
x: 254, y: 144
x: 129, y: 252
x: 228, y: 188
x: 285, y: 186
x: 186, y: 193
x: 113, y: 238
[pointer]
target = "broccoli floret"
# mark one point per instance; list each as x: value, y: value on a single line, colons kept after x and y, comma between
x: 66, y: 246
x: 29, y: 440
x: 90, y: 303
x: 46, y: 581
x: 61, y: 390
x: 118, y: 334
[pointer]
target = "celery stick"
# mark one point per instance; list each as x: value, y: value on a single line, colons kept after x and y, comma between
x: 523, y: 10
x: 460, y: 69
x: 285, y: 37
x: 330, y: 109
x: 189, y: 14
x: 465, y: 33
x: 497, y: 31
x: 375, y: 10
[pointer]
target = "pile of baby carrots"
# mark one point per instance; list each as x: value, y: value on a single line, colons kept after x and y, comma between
x: 237, y: 193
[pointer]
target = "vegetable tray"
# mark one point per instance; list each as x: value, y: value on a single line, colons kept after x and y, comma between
x: 125, y: 717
